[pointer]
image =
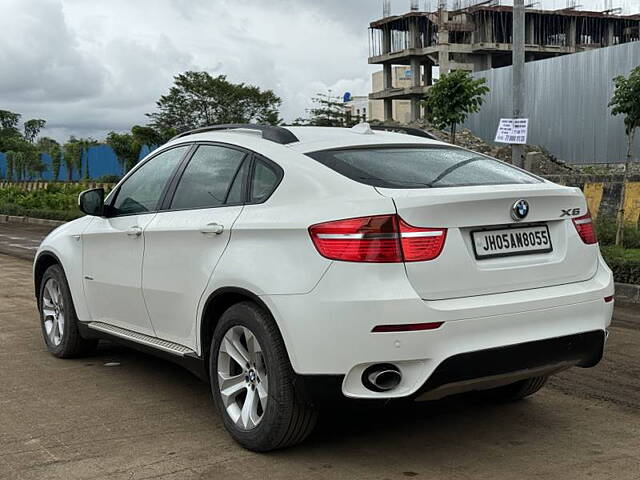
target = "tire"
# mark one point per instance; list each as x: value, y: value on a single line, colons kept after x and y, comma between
x: 289, y: 415
x: 514, y: 391
x: 57, y: 314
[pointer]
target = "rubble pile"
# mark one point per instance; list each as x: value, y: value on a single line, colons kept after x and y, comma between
x: 542, y: 163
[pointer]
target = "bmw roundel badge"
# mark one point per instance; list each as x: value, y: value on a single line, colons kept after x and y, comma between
x: 520, y: 210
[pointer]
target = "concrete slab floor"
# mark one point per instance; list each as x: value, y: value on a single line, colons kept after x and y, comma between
x: 146, y: 418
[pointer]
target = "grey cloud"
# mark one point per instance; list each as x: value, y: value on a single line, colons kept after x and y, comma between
x: 40, y: 58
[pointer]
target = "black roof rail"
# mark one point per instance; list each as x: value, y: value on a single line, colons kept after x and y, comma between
x: 269, y: 132
x: 416, y: 132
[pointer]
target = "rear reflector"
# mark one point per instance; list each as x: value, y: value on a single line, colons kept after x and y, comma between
x: 608, y: 299
x: 407, y: 327
x: 380, y: 238
x: 584, y: 226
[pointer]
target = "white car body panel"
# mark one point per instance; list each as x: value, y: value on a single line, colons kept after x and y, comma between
x: 65, y: 243
x: 159, y: 283
x: 113, y: 272
x: 178, y: 262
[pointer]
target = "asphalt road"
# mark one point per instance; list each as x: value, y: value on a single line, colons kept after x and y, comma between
x: 22, y: 239
x: 146, y: 418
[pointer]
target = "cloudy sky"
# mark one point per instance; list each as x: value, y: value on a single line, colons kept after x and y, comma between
x: 89, y: 67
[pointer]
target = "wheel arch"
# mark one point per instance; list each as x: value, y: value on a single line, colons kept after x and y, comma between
x: 43, y: 261
x: 216, y: 304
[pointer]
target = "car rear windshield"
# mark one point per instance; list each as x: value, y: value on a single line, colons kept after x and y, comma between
x: 420, y: 167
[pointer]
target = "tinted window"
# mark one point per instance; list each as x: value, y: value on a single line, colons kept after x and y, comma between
x: 264, y: 181
x: 142, y: 190
x: 420, y: 167
x: 207, y: 179
x: 237, y: 188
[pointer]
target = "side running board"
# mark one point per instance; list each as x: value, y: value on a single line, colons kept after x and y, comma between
x: 164, y: 345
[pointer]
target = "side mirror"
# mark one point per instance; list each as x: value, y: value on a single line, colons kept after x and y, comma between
x: 91, y: 202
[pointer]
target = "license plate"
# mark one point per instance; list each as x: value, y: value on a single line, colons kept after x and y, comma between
x: 511, y: 241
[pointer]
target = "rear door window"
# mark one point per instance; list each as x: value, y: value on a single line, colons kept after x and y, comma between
x: 207, y: 180
x: 420, y: 167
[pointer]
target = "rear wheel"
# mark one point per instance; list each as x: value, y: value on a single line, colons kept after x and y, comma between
x: 58, y: 317
x: 514, y: 391
x: 264, y: 405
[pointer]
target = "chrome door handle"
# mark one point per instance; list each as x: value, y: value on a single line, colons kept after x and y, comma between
x: 134, y: 231
x: 215, y: 228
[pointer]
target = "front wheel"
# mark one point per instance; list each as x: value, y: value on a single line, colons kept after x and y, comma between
x: 58, y: 317
x: 263, y: 404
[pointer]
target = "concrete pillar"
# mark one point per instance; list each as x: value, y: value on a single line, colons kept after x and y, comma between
x: 610, y: 34
x: 414, y: 33
x: 443, y: 59
x: 415, y: 71
x: 388, y: 109
x: 386, y: 40
x: 530, y: 34
x: 428, y: 74
x: 387, y: 76
x: 415, y: 108
x: 572, y: 33
x: 487, y: 29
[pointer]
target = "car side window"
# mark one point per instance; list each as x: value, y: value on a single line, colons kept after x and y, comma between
x: 206, y: 182
x: 264, y: 181
x: 236, y: 193
x: 141, y: 192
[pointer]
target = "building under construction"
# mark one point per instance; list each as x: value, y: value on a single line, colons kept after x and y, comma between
x: 479, y: 37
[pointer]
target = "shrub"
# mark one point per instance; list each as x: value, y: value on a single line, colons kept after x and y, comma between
x: 56, y: 201
x: 108, y: 179
x: 625, y: 263
x: 606, y: 229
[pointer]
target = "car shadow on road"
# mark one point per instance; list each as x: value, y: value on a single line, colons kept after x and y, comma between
x: 460, y: 421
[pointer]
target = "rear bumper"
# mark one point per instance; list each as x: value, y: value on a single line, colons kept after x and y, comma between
x: 328, y: 331
x: 503, y: 365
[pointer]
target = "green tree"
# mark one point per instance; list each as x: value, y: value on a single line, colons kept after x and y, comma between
x: 126, y: 148
x: 32, y: 128
x: 9, y: 132
x: 11, y: 161
x: 72, y: 155
x: 52, y: 148
x: 626, y: 102
x: 25, y: 159
x: 452, y: 98
x: 328, y: 112
x: 151, y: 137
x: 197, y: 99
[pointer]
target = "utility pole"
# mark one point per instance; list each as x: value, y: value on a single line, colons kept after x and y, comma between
x: 517, y: 151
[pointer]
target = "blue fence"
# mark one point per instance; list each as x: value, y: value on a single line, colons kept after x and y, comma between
x: 100, y: 160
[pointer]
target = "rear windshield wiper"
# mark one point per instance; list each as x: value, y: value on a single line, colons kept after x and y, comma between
x: 392, y: 181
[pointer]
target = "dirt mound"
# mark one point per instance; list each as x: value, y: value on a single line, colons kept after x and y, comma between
x: 540, y: 161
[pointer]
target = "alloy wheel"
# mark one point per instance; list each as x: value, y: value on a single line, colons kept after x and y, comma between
x: 242, y: 377
x: 53, y: 313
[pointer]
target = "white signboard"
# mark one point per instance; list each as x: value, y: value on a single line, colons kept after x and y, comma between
x: 512, y: 130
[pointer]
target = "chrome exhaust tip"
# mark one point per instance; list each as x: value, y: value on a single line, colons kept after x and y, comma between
x: 381, y: 377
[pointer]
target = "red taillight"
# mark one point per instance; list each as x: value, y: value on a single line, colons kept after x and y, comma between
x: 419, y: 244
x: 380, y: 238
x: 584, y: 226
x: 365, y: 239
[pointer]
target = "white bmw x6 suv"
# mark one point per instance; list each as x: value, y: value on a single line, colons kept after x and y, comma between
x: 271, y: 260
